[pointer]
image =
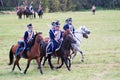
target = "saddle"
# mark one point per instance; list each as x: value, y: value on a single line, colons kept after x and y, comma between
x: 50, y: 47
x: 23, y: 49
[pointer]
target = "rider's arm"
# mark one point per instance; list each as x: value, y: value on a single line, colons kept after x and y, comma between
x: 73, y: 30
x: 25, y: 37
x: 51, y: 35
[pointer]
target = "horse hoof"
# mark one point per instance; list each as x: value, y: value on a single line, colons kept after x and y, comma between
x: 43, y: 64
x: 41, y: 73
x: 82, y: 60
x: 52, y: 68
x: 24, y: 72
x: 21, y: 72
x: 69, y: 70
x: 57, y: 68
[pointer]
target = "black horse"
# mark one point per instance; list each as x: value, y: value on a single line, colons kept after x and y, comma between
x: 40, y: 13
x: 28, y: 14
x: 62, y: 53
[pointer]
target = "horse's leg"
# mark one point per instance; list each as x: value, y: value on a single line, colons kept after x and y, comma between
x: 49, y: 61
x: 82, y: 56
x: 74, y: 54
x: 80, y: 51
x: 45, y: 59
x: 58, y: 62
x: 61, y: 63
x: 39, y: 65
x: 41, y: 59
x: 66, y: 62
x: 69, y: 62
x: 19, y: 65
x: 15, y: 63
x: 28, y: 64
x: 14, y: 66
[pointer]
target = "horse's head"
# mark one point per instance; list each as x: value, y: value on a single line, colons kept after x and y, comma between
x: 84, y: 31
x: 68, y: 39
x: 39, y: 37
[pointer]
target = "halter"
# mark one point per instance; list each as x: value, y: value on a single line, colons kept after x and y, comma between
x: 76, y: 37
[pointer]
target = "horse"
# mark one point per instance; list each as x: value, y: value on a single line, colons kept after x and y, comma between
x: 19, y: 13
x: 33, y: 53
x: 40, y: 13
x: 28, y: 13
x: 81, y: 32
x: 61, y: 53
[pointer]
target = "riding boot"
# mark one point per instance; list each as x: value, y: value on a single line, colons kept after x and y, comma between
x: 53, y: 54
x: 17, y: 51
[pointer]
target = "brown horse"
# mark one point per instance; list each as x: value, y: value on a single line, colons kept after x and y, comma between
x: 33, y: 53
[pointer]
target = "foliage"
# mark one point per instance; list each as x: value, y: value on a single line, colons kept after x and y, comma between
x: 63, y: 5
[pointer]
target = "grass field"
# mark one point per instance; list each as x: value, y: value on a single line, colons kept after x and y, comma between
x: 102, y: 48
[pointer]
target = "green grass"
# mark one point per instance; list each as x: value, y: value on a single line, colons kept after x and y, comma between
x: 102, y: 48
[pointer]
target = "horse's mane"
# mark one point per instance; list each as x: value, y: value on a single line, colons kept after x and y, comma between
x: 33, y: 41
x: 65, y: 40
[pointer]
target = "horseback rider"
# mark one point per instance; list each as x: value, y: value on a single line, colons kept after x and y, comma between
x: 27, y: 39
x: 40, y: 9
x: 56, y: 38
x: 28, y: 35
x: 71, y: 27
x: 66, y: 29
x: 31, y: 8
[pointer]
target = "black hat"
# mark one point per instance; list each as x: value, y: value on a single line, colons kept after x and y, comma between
x: 66, y: 20
x: 69, y: 19
x: 57, y: 24
x: 53, y: 24
x: 66, y: 27
x: 29, y: 25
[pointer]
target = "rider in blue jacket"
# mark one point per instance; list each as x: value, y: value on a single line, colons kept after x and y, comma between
x: 55, y: 39
x: 27, y: 39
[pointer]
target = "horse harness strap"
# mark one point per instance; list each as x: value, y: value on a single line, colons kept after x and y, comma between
x: 77, y: 38
x: 77, y: 32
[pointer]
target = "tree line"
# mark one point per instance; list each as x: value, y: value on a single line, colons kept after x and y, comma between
x: 62, y: 5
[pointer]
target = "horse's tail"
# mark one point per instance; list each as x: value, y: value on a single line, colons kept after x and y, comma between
x: 11, y: 57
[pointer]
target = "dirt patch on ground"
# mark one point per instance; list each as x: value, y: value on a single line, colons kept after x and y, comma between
x: 7, y: 12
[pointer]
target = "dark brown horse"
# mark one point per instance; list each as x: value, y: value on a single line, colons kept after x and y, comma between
x: 19, y: 14
x: 40, y: 13
x: 33, y: 53
x: 62, y: 53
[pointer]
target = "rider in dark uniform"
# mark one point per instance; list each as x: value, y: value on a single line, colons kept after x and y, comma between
x: 72, y: 29
x: 55, y: 39
x: 25, y: 42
